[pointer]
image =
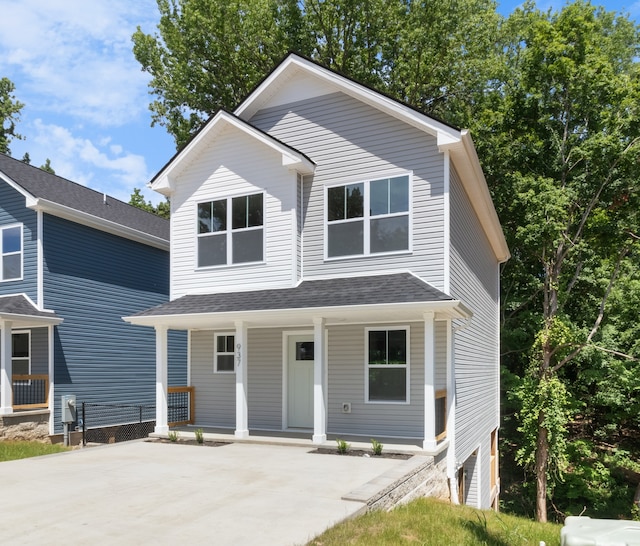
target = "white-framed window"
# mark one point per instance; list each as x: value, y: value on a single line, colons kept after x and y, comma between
x: 231, y: 230
x: 369, y: 217
x: 224, y: 356
x: 11, y: 253
x: 21, y: 353
x: 387, y: 364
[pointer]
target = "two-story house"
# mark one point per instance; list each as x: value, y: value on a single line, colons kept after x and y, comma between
x: 72, y: 262
x: 335, y: 259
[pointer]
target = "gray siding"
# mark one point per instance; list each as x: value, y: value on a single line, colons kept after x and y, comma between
x: 349, y: 140
x: 474, y: 280
x: 215, y: 392
x: 13, y: 211
x: 265, y: 379
x: 39, y: 351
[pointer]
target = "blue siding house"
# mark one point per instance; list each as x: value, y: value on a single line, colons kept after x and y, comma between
x: 73, y: 261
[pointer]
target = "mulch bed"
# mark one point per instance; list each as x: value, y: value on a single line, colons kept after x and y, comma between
x: 188, y: 442
x: 361, y: 453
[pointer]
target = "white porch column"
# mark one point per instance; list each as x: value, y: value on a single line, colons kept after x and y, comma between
x: 51, y: 371
x: 452, y: 470
x: 162, y: 380
x: 319, y: 382
x: 6, y: 385
x: 242, y: 408
x: 429, y: 442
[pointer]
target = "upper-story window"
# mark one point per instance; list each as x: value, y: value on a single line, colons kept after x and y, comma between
x: 369, y: 217
x: 11, y: 253
x: 230, y: 230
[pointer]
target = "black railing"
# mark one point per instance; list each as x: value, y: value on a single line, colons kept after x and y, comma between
x: 111, y: 423
x: 30, y: 391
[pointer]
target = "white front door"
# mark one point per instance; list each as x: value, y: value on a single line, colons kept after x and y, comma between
x: 300, y: 382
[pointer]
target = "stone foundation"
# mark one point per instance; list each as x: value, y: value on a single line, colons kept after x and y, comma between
x: 32, y: 426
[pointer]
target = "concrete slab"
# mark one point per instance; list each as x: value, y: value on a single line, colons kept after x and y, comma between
x: 153, y: 493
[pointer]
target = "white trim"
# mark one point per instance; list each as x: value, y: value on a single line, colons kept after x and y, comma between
x: 21, y: 252
x: 367, y: 218
x: 446, y: 285
x: 225, y: 334
x: 40, y: 258
x: 406, y: 366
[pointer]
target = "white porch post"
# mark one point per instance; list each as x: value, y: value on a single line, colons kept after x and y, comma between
x: 6, y: 386
x: 319, y: 382
x: 429, y: 442
x: 51, y: 371
x: 162, y: 380
x: 242, y: 408
x: 452, y: 470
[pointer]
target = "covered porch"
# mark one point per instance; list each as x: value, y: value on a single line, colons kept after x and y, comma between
x: 313, y: 315
x: 20, y: 391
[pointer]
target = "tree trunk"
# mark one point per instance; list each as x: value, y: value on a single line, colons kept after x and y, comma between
x: 542, y: 453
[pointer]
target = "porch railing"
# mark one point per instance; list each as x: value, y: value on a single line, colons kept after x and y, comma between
x: 30, y: 391
x: 181, y: 405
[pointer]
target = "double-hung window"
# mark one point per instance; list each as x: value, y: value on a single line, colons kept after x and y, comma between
x: 224, y: 357
x: 369, y: 217
x: 387, y: 365
x: 21, y: 353
x: 231, y: 230
x: 11, y: 253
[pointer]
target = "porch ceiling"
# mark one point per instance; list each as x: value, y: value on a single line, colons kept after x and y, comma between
x: 378, y: 298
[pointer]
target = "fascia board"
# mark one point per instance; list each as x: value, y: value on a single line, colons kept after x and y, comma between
x: 30, y: 200
x: 254, y: 102
x: 61, y: 211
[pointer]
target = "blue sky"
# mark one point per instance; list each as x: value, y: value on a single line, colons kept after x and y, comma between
x: 86, y: 99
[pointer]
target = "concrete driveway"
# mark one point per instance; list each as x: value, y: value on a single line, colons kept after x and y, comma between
x: 152, y: 493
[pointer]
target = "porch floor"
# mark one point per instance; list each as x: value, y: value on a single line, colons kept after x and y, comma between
x: 299, y: 438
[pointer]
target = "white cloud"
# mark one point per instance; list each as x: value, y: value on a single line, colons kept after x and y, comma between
x: 74, y: 56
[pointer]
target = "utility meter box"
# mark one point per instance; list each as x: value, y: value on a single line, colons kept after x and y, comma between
x: 68, y: 408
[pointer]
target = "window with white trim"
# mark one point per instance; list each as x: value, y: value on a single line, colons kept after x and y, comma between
x: 231, y: 230
x: 11, y: 253
x: 21, y: 353
x: 224, y: 354
x: 387, y: 364
x: 369, y: 217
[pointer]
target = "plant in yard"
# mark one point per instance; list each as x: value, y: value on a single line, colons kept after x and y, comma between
x: 199, y: 436
x: 343, y: 446
x: 376, y: 447
x: 173, y: 436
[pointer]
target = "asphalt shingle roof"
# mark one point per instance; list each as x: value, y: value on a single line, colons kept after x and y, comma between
x: 339, y: 292
x: 56, y: 189
x: 19, y: 305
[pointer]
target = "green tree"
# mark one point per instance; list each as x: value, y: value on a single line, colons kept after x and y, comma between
x: 47, y: 166
x: 10, y: 109
x: 137, y: 200
x: 561, y: 148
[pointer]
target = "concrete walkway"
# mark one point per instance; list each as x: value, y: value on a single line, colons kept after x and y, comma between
x: 152, y: 493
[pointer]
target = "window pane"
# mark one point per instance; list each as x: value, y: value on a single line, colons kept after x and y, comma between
x: 379, y: 198
x: 397, y: 347
x: 399, y: 194
x: 335, y: 203
x: 355, y: 200
x: 11, y: 240
x: 247, y: 246
x: 12, y: 267
x: 230, y: 344
x: 212, y: 250
x: 255, y: 210
x: 20, y: 345
x: 204, y: 217
x: 377, y: 347
x: 225, y: 363
x: 221, y: 345
x: 389, y: 234
x: 304, y: 350
x: 345, y: 239
x: 20, y: 367
x: 239, y: 212
x: 219, y: 215
x: 388, y: 384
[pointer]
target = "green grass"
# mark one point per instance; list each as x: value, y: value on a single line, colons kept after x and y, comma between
x: 9, y: 450
x: 430, y: 522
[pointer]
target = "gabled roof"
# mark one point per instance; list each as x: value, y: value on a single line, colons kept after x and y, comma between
x: 369, y: 296
x: 61, y: 197
x: 291, y: 157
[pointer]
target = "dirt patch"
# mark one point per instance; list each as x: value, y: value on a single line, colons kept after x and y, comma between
x: 188, y: 442
x: 361, y: 453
